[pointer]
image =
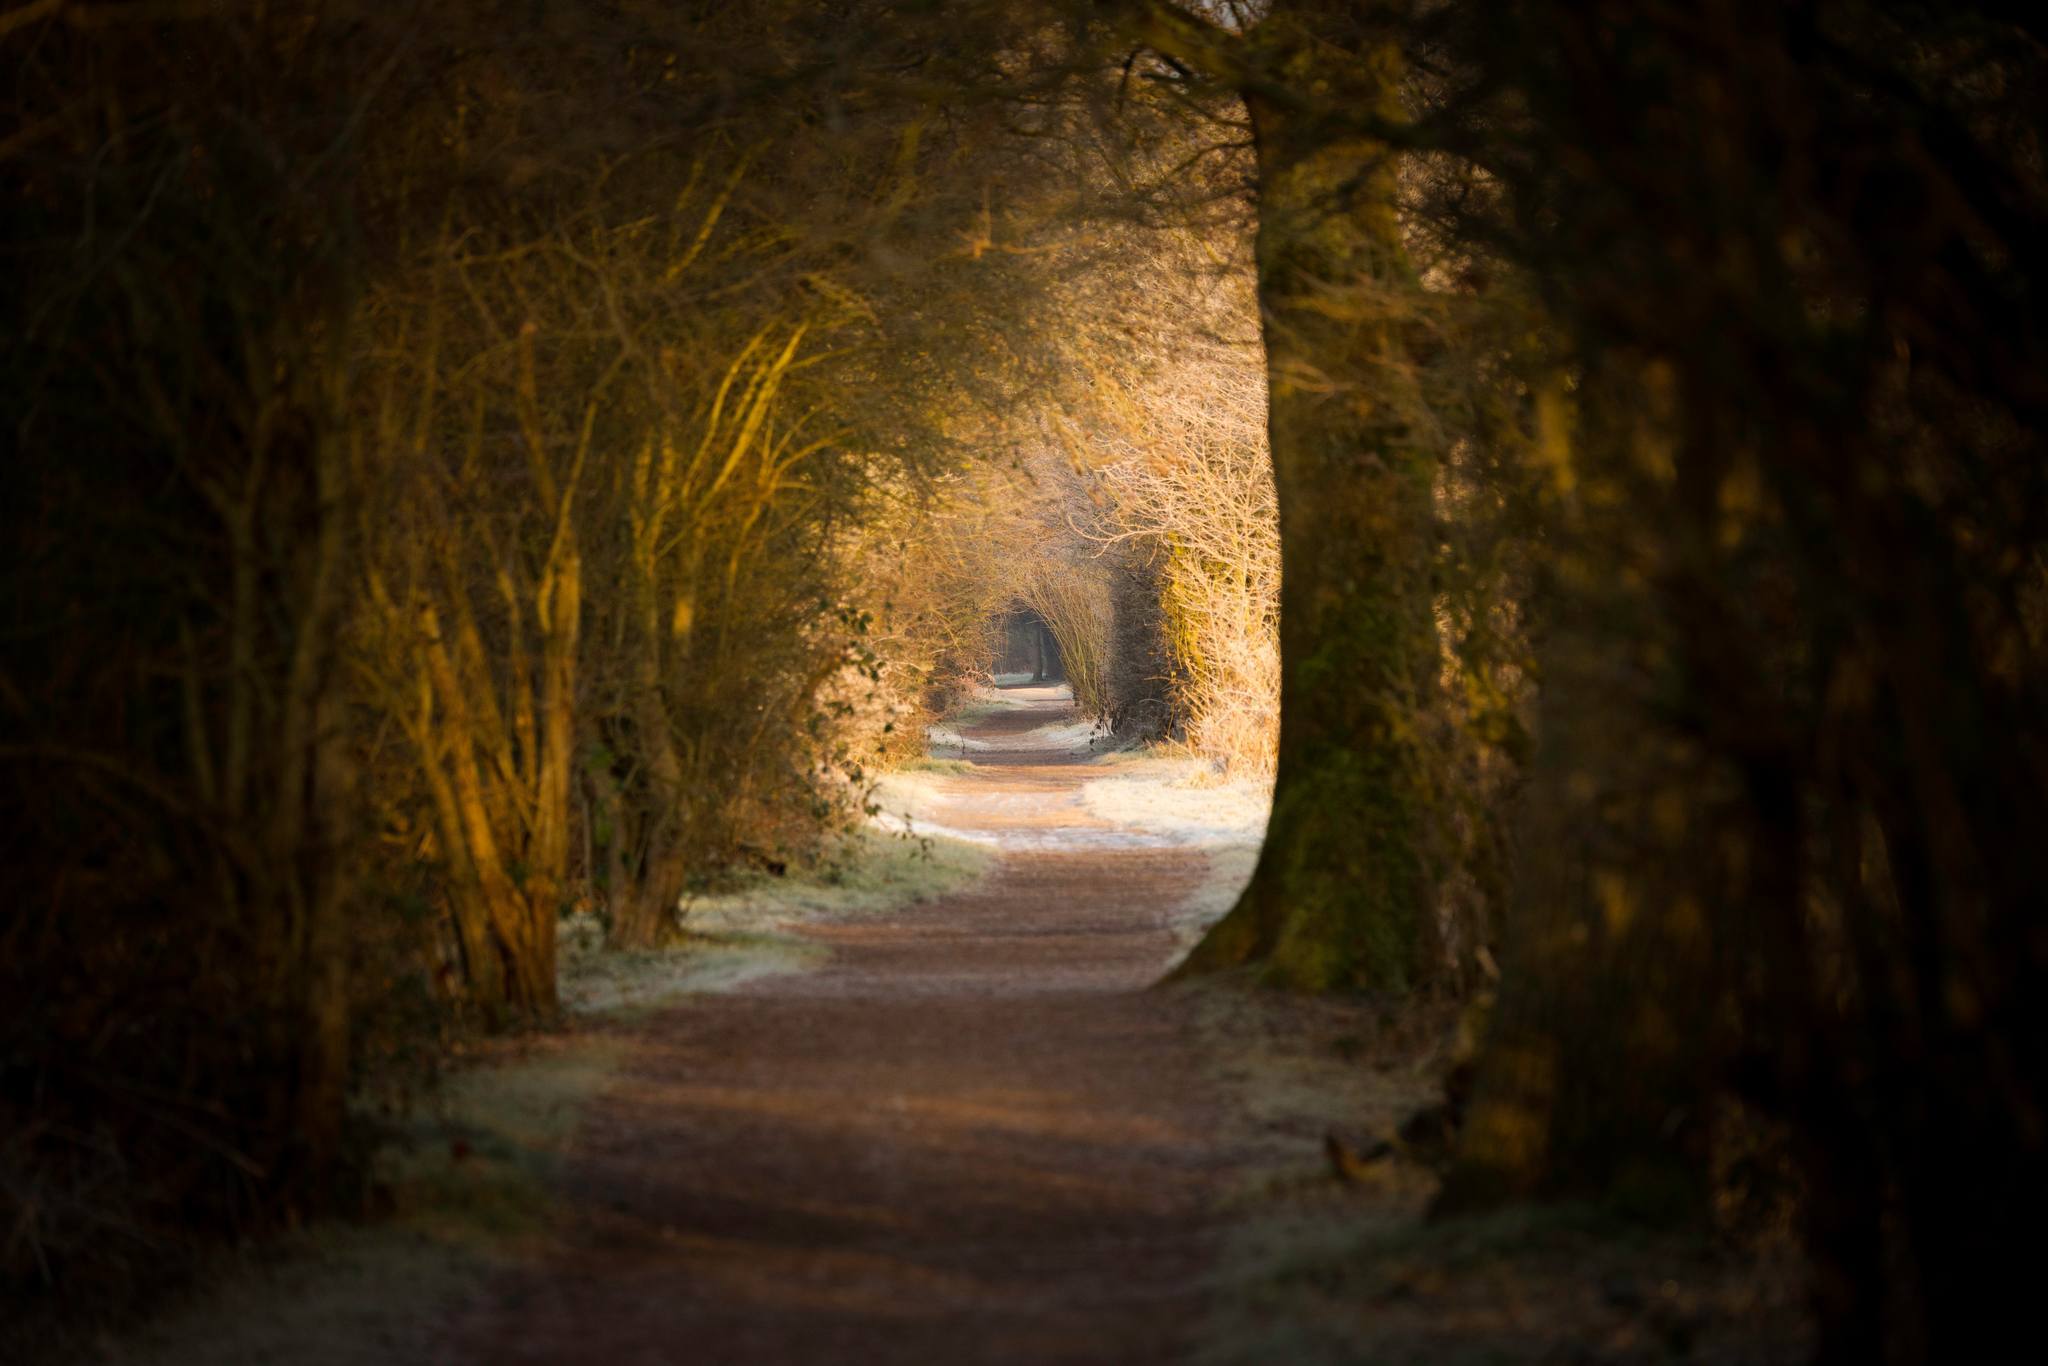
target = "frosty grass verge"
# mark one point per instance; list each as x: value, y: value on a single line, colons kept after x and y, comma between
x: 749, y: 932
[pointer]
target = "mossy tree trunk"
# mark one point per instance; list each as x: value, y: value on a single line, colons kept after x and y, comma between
x: 1343, y: 893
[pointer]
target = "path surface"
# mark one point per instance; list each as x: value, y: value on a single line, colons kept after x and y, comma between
x: 970, y: 1137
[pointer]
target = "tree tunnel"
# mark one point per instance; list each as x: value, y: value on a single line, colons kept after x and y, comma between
x: 1097, y: 623
x: 487, y: 468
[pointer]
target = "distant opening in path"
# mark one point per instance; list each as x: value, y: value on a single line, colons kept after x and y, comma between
x: 1030, y: 654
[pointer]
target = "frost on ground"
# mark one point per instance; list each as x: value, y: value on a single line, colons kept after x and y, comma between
x: 468, y: 1168
x: 1175, y: 797
x: 1319, y: 1271
x: 601, y: 981
x: 1177, y: 800
x: 908, y: 800
x: 881, y: 871
x: 466, y: 1173
x: 1074, y: 739
x: 751, y: 931
x: 1132, y: 798
x: 1060, y: 738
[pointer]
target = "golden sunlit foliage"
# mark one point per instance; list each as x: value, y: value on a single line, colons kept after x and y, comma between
x: 1183, y: 475
x: 452, y: 443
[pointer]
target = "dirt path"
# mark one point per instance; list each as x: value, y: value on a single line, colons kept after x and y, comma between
x: 970, y: 1137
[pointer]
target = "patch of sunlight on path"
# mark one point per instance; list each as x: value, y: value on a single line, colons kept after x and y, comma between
x: 1177, y: 800
x: 1122, y: 799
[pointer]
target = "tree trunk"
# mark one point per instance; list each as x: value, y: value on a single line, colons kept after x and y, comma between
x: 324, y: 775
x: 1592, y: 1082
x: 471, y: 822
x: 1343, y: 896
x: 560, y: 607
x: 645, y: 908
x: 324, y: 1034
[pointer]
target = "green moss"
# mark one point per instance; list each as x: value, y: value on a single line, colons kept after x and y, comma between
x: 1344, y: 885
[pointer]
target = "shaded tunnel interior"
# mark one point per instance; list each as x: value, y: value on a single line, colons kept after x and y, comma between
x: 1030, y: 651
